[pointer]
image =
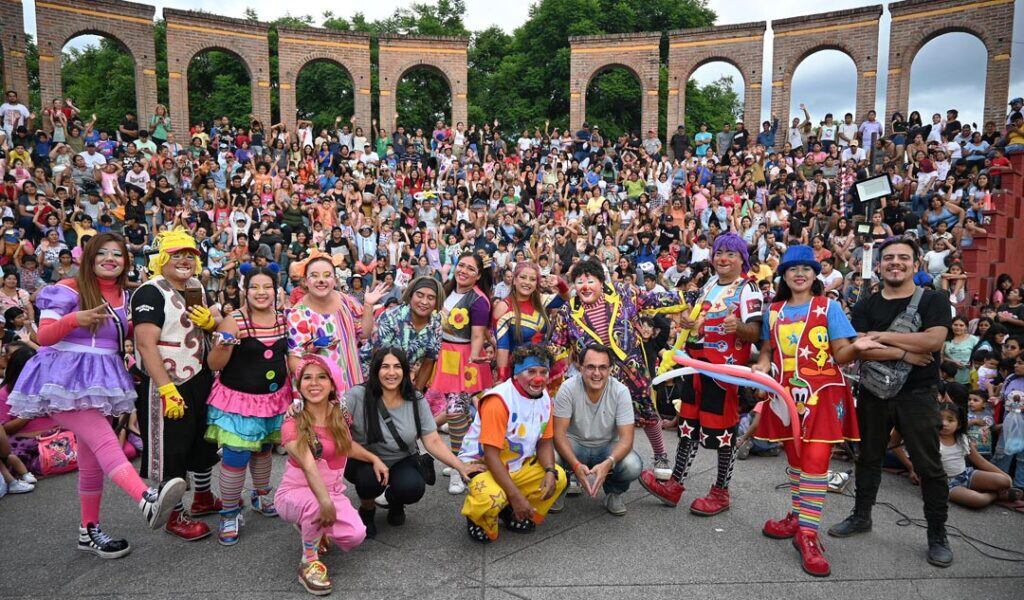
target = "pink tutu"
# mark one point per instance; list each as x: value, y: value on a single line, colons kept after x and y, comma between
x: 250, y: 405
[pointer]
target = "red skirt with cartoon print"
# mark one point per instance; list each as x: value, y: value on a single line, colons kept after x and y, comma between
x: 830, y: 418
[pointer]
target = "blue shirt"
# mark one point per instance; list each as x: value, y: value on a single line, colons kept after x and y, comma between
x: 839, y: 326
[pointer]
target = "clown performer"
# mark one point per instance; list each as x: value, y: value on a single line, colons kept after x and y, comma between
x: 606, y: 313
x: 463, y: 367
x: 171, y: 327
x: 720, y: 328
x: 327, y: 322
x: 249, y: 398
x: 78, y: 378
x: 512, y: 436
x: 311, y: 495
x: 803, y: 342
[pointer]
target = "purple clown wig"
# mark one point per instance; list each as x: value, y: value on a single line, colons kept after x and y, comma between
x: 731, y: 242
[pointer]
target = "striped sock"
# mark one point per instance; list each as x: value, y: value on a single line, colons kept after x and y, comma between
x: 232, y: 479
x: 201, y: 480
x: 685, y: 453
x: 657, y: 439
x: 309, y: 551
x: 259, y: 467
x: 458, y: 426
x: 726, y: 461
x: 794, y: 488
x: 812, y: 498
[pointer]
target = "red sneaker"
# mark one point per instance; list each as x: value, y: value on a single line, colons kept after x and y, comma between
x: 715, y: 502
x: 811, y: 553
x: 205, y: 503
x: 781, y: 529
x: 183, y: 526
x: 669, y: 492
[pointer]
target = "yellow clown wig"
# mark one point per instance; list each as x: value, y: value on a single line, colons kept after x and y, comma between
x: 169, y: 242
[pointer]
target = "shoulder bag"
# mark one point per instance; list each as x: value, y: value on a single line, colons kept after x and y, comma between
x: 885, y: 379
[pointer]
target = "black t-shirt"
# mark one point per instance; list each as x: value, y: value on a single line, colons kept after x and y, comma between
x: 1018, y: 313
x: 148, y: 306
x: 875, y: 313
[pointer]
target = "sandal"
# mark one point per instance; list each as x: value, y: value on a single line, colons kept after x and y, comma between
x: 477, y: 532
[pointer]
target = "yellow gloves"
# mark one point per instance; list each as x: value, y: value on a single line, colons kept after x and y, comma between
x: 202, y: 317
x: 174, y: 404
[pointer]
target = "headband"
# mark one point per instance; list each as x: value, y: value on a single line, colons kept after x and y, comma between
x: 529, y: 361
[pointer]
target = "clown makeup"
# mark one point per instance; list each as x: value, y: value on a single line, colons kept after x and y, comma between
x: 533, y: 380
x: 260, y: 293
x: 109, y: 261
x: 799, y: 278
x: 466, y: 273
x: 315, y: 384
x: 320, y: 279
x: 181, y: 266
x: 728, y: 265
x: 588, y: 288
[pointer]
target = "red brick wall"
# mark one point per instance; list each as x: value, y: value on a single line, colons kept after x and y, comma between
x: 398, y: 54
x: 916, y: 22
x: 189, y: 33
x: 350, y: 50
x: 740, y: 45
x: 853, y: 32
x: 128, y: 23
x: 12, y: 43
x: 591, y: 54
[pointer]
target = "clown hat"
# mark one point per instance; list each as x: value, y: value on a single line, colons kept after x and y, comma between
x: 799, y: 255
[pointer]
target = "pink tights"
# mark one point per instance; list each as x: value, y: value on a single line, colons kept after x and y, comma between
x: 99, y: 452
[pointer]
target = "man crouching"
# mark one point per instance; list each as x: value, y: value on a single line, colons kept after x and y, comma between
x: 512, y: 435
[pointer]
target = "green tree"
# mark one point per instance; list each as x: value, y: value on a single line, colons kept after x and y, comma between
x: 101, y: 80
x: 218, y: 85
x: 715, y: 104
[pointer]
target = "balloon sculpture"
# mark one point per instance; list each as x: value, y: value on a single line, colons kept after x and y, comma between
x: 782, y: 402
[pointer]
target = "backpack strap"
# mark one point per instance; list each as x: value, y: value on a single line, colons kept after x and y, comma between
x: 915, y: 301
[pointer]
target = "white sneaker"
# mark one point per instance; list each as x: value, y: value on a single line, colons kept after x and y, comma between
x: 662, y: 470
x: 18, y: 486
x: 28, y: 477
x: 455, y: 485
x: 447, y: 471
x: 381, y: 500
x: 443, y: 428
x: 574, y: 488
x: 613, y: 503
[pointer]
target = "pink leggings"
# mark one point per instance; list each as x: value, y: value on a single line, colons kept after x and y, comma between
x: 99, y: 452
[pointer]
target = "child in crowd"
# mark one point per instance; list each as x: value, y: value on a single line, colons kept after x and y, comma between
x: 987, y: 367
x: 1009, y: 451
x: 974, y: 486
x: 980, y: 420
x: 312, y: 492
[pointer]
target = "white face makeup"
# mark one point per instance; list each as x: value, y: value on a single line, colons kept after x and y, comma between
x: 110, y: 261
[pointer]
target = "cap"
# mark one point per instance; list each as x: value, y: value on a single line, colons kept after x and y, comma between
x: 1017, y: 100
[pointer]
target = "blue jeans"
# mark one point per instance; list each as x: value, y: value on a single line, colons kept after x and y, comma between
x: 1004, y: 461
x: 624, y: 473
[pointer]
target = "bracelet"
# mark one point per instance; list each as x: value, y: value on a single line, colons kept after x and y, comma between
x: 612, y: 458
x: 552, y: 471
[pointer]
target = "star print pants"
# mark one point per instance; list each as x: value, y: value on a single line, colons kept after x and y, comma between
x: 708, y: 411
x: 485, y: 498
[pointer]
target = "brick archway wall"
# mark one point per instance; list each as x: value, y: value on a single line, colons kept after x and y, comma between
x: 12, y: 43
x: 128, y: 23
x: 741, y: 45
x: 189, y: 33
x: 400, y: 53
x: 916, y: 22
x: 591, y: 54
x: 296, y: 47
x: 853, y: 32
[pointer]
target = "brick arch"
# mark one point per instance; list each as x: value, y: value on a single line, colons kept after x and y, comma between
x: 297, y: 47
x: 127, y: 23
x: 592, y: 54
x: 917, y: 22
x: 853, y: 32
x: 399, y: 54
x: 741, y: 45
x: 191, y: 33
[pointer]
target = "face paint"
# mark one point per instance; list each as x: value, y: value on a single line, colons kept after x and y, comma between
x: 538, y: 381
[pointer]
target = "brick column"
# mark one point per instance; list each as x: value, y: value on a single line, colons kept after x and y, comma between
x: 638, y: 52
x: 398, y: 54
x: 12, y: 39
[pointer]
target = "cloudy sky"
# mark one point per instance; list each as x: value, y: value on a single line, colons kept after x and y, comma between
x: 948, y: 72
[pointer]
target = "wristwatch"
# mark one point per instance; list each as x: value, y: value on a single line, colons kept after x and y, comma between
x: 612, y: 458
x: 552, y: 471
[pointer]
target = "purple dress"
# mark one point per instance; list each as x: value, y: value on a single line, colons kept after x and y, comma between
x: 82, y: 371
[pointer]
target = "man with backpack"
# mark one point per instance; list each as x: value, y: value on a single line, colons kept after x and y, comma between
x: 898, y: 387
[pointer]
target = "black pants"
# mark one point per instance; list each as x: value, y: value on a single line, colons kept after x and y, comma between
x: 184, y: 445
x: 405, y: 483
x: 915, y: 415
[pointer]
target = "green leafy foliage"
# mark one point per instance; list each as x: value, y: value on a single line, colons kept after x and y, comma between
x: 218, y: 85
x: 715, y: 104
x: 323, y: 92
x: 109, y: 97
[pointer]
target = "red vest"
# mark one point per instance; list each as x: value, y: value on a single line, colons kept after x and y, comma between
x: 815, y: 368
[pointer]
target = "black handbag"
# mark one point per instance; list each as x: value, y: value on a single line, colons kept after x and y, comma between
x: 424, y: 462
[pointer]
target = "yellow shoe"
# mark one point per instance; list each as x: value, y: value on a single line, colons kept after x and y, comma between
x: 313, y: 577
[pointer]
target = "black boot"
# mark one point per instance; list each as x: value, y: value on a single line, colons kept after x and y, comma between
x: 366, y: 515
x: 939, y: 554
x: 857, y: 522
x: 92, y: 539
x: 396, y: 515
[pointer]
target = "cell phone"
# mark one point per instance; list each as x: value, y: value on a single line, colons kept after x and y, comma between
x: 193, y: 296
